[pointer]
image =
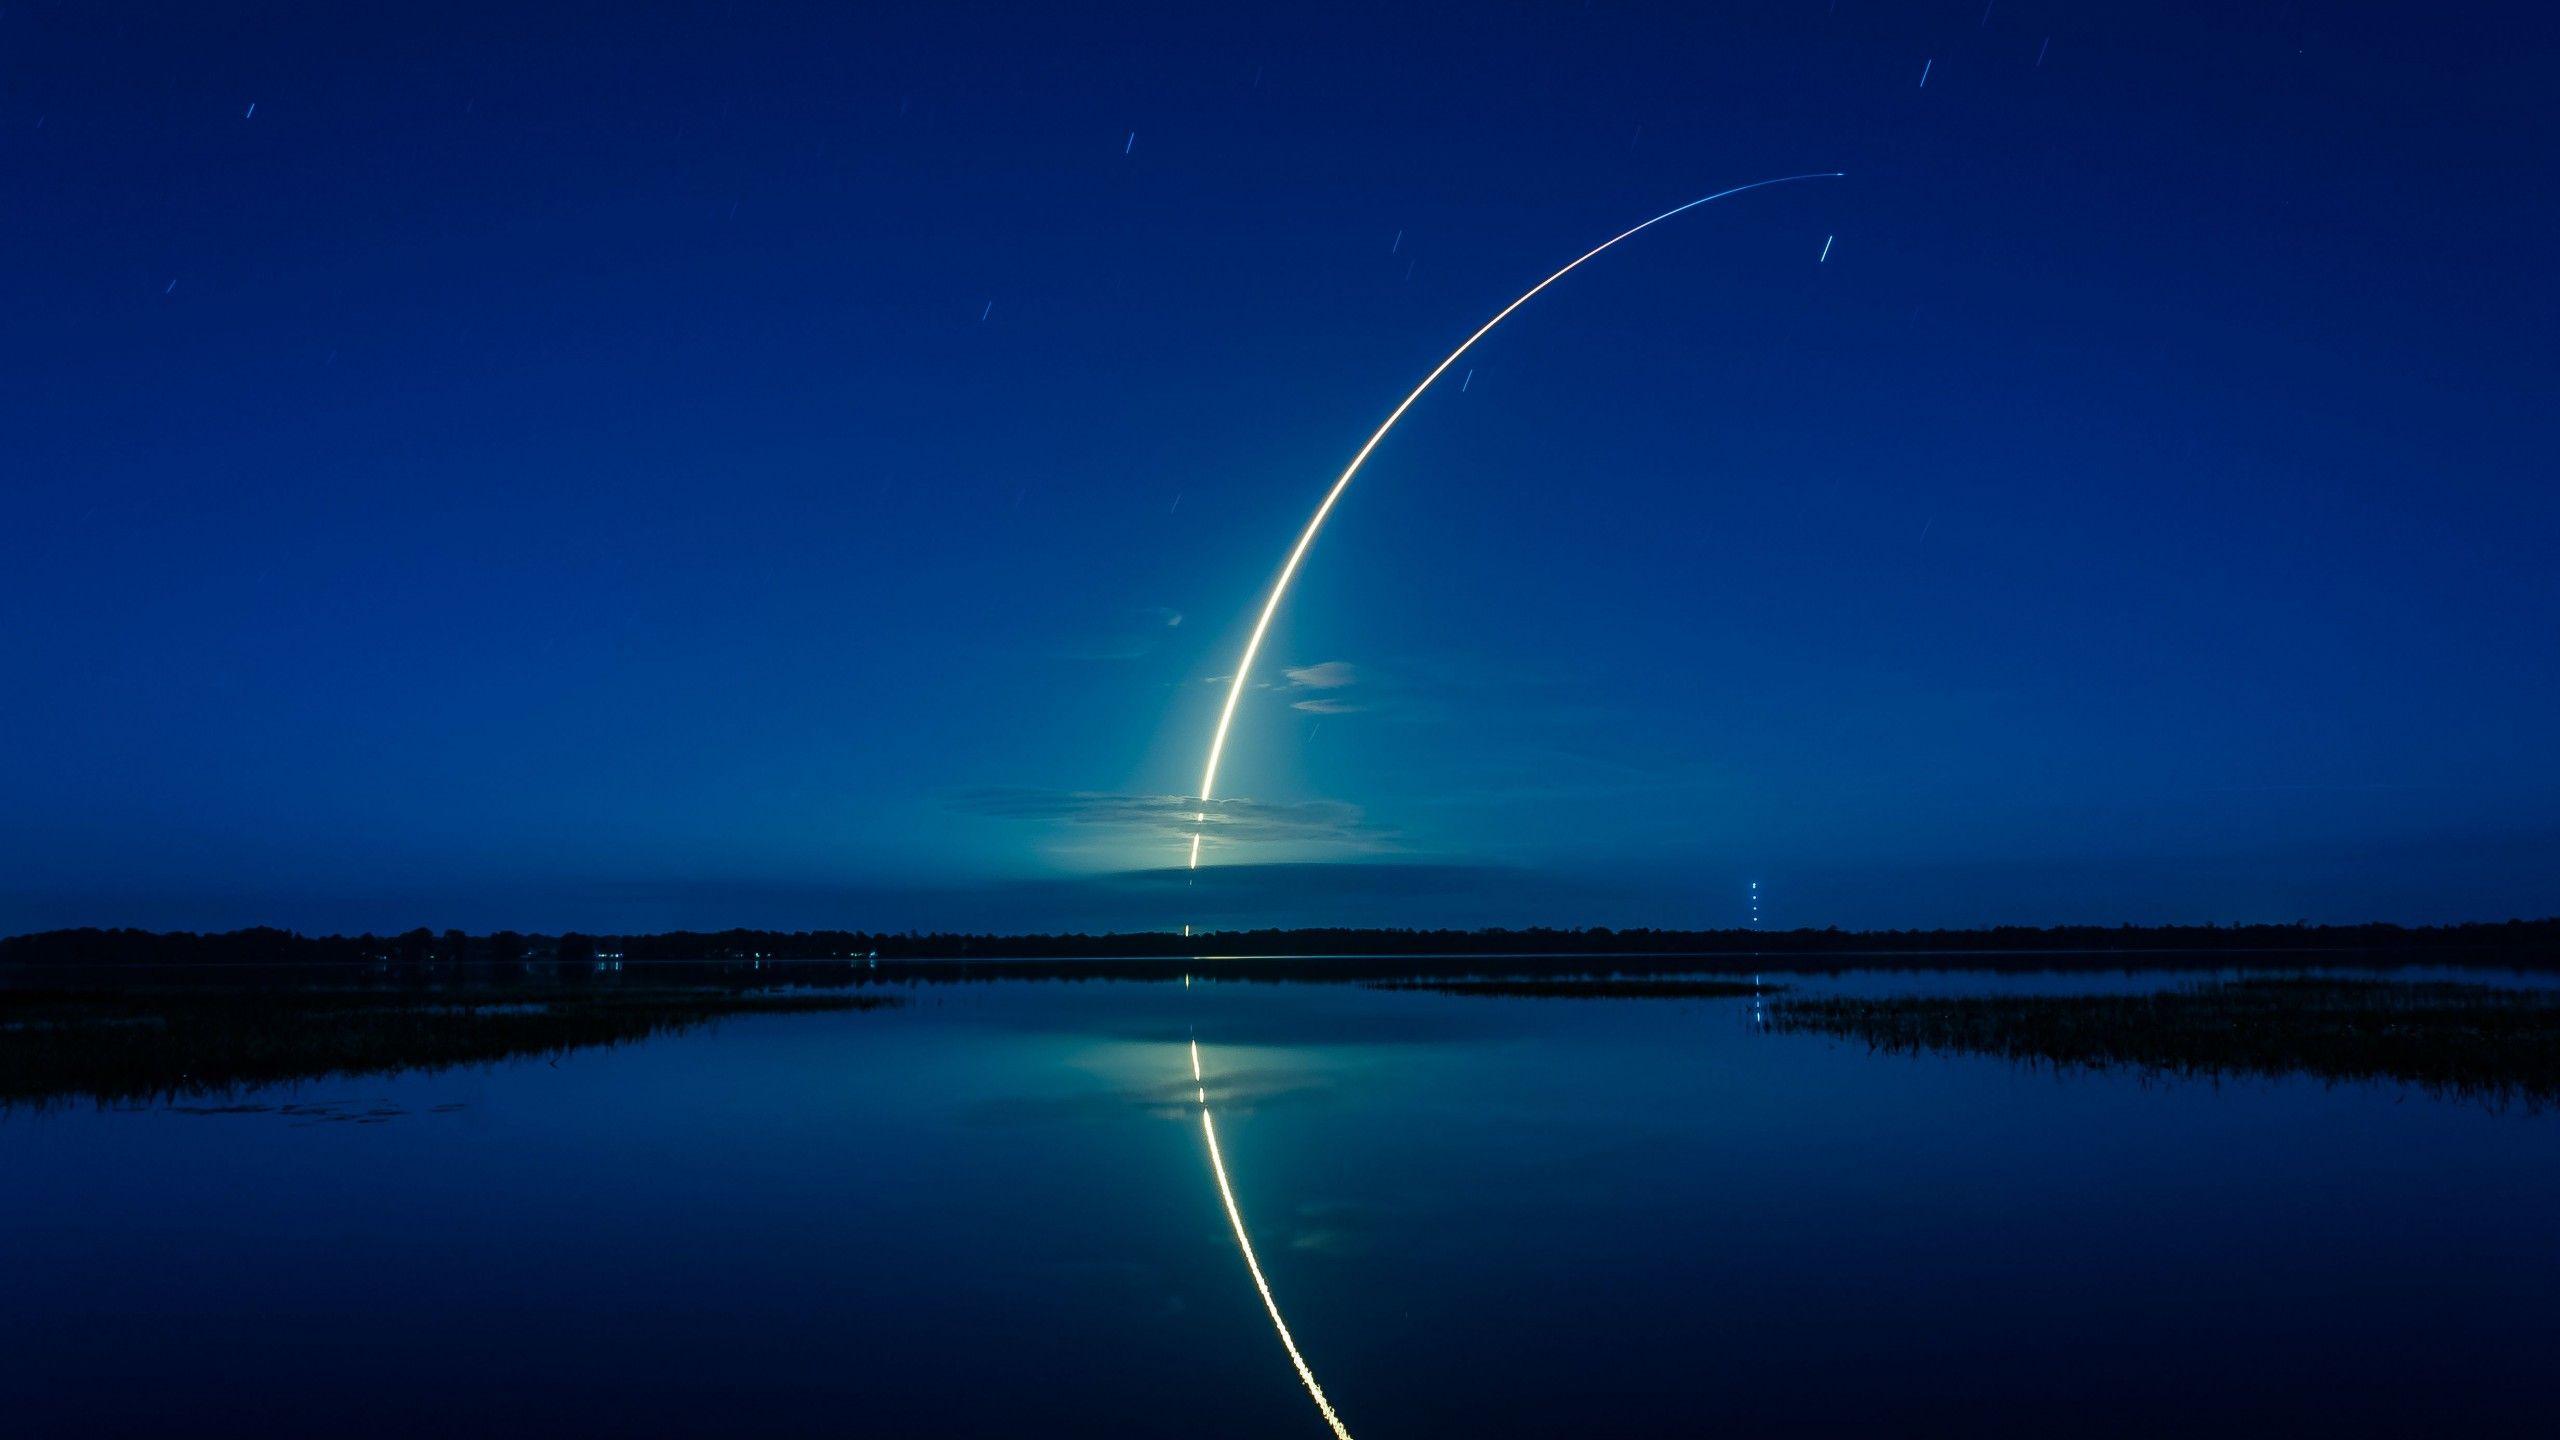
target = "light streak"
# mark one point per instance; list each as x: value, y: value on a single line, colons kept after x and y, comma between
x: 1307, y: 537
x: 1235, y: 1217
x: 1826, y: 249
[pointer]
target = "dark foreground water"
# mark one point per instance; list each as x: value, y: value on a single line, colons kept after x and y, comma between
x: 993, y: 1212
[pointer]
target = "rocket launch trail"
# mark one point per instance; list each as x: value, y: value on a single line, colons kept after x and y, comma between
x: 1315, y: 523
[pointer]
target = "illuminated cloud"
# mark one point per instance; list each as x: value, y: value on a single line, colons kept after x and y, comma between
x: 1328, y: 675
x: 1329, y: 822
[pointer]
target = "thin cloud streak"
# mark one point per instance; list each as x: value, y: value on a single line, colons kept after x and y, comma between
x: 1235, y: 819
x: 1325, y: 675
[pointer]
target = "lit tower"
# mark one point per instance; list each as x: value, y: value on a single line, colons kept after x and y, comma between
x: 1755, y: 904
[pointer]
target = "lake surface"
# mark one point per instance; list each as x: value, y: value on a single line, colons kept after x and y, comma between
x: 993, y: 1211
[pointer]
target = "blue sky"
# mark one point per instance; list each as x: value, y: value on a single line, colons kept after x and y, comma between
x: 615, y: 467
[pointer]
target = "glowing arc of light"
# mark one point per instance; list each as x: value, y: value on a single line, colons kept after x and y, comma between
x: 1235, y: 1217
x: 1307, y: 537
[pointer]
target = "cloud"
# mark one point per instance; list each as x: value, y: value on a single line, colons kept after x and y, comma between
x: 1178, y: 817
x: 1327, y: 675
x: 1324, y: 675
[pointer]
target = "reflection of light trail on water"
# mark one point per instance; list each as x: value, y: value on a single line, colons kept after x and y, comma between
x: 1235, y: 1217
x: 1298, y: 552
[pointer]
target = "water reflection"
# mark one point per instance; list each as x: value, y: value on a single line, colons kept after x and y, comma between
x: 1936, y: 1246
x: 1244, y: 1243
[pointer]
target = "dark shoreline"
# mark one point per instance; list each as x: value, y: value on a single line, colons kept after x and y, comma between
x: 120, y: 1016
x: 124, y: 1033
x: 830, y: 974
x: 2533, y: 944
x: 163, y: 1042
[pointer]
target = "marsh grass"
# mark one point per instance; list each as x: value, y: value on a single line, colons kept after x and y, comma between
x: 1582, y: 987
x: 2471, y: 1041
x: 146, y: 1043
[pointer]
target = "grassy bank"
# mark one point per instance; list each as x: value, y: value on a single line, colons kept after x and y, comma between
x: 164, y: 1042
x: 2474, y: 1041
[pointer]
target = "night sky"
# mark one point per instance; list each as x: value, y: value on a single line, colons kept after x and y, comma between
x: 620, y: 467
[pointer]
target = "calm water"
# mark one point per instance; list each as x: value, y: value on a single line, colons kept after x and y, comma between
x: 993, y: 1213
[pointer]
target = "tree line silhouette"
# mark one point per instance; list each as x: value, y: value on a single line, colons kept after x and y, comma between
x: 2522, y: 941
